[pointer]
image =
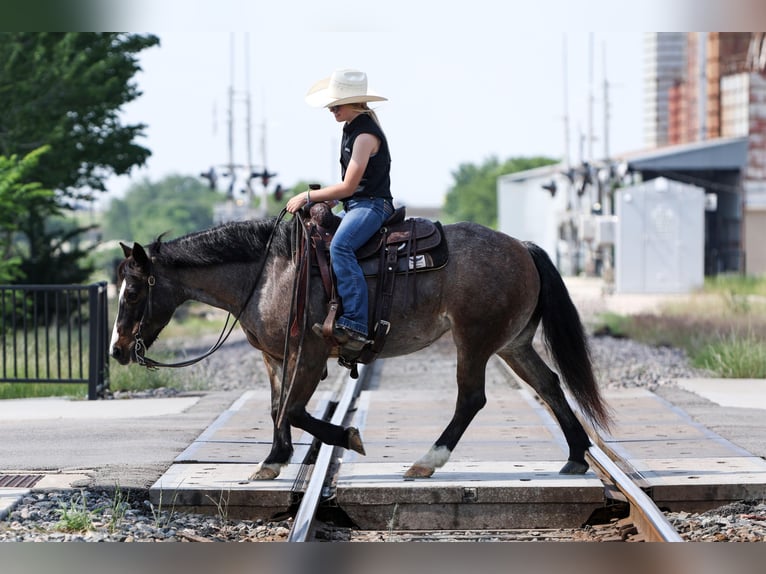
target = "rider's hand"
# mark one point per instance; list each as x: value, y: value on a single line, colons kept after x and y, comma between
x: 297, y: 201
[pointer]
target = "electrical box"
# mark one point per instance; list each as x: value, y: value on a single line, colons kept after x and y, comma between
x: 660, y: 237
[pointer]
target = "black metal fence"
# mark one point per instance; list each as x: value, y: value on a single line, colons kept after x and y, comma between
x: 55, y: 334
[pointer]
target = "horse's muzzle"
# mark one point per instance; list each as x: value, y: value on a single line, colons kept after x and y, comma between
x: 120, y: 355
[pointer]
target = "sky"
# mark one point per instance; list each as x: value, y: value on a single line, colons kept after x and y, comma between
x: 465, y: 81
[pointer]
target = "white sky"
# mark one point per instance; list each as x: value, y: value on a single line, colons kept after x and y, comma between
x: 463, y: 85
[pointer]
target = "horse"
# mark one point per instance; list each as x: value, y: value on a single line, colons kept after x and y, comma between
x: 492, y: 295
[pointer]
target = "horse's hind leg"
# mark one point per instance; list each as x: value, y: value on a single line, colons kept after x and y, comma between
x: 528, y: 365
x: 471, y: 367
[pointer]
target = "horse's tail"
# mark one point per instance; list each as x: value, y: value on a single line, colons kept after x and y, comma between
x: 565, y: 338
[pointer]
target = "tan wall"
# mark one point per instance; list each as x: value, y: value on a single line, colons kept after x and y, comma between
x: 755, y: 242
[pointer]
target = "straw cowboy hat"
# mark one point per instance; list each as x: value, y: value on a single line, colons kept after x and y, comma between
x: 342, y: 87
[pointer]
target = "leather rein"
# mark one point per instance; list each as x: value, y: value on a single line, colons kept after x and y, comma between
x: 140, y: 347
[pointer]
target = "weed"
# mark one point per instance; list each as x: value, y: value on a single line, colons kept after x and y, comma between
x: 222, y: 506
x: 161, y: 521
x: 75, y: 517
x: 392, y: 521
x: 120, y: 505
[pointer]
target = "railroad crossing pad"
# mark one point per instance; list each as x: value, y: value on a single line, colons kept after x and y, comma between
x: 683, y: 465
x: 503, y: 473
x: 210, y: 475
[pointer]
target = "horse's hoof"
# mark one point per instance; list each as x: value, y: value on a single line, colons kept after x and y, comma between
x: 355, y: 441
x: 574, y: 467
x: 265, y: 473
x: 418, y: 471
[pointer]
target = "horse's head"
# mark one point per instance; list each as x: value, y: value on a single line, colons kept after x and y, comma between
x: 144, y: 307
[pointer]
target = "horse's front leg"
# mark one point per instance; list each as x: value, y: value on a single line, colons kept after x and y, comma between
x: 282, y: 444
x: 471, y: 398
x: 295, y: 412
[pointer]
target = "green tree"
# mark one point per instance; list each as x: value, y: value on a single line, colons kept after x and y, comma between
x: 473, y: 196
x: 66, y: 90
x: 16, y: 198
x: 175, y: 205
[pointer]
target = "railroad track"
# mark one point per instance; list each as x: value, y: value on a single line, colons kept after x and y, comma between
x: 303, y: 524
x: 645, y: 516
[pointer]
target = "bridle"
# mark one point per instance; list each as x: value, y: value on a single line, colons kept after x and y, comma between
x: 140, y: 348
x: 286, y: 385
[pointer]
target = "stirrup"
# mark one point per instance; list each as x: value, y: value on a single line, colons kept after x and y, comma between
x: 350, y: 364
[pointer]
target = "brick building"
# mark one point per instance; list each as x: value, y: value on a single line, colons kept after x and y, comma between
x: 703, y: 86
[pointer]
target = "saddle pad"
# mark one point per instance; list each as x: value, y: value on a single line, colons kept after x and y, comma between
x: 435, y: 258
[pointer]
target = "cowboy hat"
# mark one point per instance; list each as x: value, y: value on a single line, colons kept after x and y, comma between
x: 341, y: 87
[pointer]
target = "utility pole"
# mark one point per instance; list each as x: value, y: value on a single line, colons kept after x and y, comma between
x: 566, y: 104
x: 590, y: 97
x: 239, y: 206
x: 231, y: 117
x: 606, y: 107
x: 264, y: 190
x: 248, y: 120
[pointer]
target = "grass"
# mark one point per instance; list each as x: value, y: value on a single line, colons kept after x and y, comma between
x: 43, y: 353
x: 722, y: 328
x: 75, y: 517
x: 116, y: 512
x: 734, y: 357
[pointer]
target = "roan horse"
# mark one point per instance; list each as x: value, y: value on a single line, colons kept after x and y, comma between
x: 492, y: 294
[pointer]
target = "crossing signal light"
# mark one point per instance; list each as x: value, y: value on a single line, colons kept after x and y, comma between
x: 211, y: 176
x: 551, y: 187
x: 264, y: 175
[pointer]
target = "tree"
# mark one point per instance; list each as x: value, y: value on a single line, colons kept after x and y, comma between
x: 16, y: 198
x: 176, y: 205
x: 473, y: 196
x: 66, y: 90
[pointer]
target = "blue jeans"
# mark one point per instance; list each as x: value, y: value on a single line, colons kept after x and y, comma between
x: 362, y: 220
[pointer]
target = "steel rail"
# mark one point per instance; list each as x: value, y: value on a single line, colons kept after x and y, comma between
x: 303, y: 523
x: 649, y: 520
x: 647, y: 517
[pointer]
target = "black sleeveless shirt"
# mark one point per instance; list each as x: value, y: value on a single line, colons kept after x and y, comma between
x: 376, y: 180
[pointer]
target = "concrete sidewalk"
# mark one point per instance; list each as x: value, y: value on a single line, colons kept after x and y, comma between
x: 737, y: 393
x: 63, y: 408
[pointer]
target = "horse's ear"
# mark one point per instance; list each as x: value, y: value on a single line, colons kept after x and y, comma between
x: 126, y: 250
x: 139, y: 255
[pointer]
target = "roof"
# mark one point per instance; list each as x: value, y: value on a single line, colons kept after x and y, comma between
x: 536, y: 172
x: 714, y: 154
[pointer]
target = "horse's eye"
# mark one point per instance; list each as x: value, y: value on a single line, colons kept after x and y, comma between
x: 131, y: 295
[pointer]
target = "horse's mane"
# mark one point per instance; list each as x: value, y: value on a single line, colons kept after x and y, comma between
x: 233, y: 242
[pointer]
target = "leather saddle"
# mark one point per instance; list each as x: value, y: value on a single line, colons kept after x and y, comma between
x: 417, y: 243
x: 402, y: 246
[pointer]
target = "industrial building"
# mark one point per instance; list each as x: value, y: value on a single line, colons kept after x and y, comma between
x: 705, y: 123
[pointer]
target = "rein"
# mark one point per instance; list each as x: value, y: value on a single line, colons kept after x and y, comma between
x: 302, y: 239
x: 140, y: 348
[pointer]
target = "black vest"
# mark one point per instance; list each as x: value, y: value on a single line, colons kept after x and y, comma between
x: 376, y: 180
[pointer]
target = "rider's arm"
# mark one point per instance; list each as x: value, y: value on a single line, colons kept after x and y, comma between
x: 364, y: 146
